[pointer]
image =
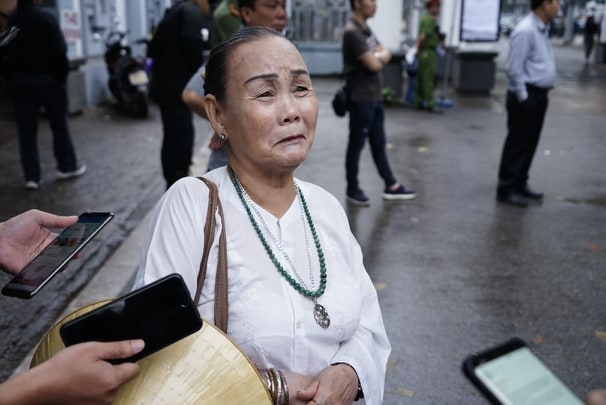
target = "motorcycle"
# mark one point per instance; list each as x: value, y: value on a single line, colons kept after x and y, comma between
x: 128, y: 77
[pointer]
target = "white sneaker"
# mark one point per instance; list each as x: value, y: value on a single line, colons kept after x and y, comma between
x: 68, y: 175
x: 32, y: 185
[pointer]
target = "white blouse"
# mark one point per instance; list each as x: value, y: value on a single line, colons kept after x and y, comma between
x: 268, y: 319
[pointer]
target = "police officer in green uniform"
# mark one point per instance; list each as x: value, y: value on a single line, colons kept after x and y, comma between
x: 427, y: 43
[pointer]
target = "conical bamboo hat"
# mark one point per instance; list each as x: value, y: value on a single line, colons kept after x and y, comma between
x: 203, y: 368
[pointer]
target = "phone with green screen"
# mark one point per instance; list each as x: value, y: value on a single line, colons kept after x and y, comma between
x: 511, y: 374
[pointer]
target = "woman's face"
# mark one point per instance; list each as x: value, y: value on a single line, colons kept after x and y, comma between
x: 270, y: 111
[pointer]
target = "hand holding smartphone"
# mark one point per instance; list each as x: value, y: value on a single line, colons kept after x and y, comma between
x: 56, y: 255
x: 160, y: 313
x: 511, y: 374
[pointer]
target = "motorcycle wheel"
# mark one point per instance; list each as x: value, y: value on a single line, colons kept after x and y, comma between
x: 140, y: 106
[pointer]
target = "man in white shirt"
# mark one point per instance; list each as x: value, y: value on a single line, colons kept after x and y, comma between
x: 531, y: 74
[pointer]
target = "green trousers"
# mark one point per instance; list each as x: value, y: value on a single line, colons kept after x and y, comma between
x: 425, y: 78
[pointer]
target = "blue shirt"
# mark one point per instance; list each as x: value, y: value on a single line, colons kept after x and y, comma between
x: 530, y: 58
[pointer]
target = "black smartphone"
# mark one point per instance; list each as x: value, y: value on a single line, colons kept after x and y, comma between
x: 510, y: 373
x: 160, y: 313
x: 56, y: 255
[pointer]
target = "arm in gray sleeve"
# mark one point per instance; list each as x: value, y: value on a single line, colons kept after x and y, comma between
x: 193, y: 93
x: 518, y: 53
x: 196, y: 83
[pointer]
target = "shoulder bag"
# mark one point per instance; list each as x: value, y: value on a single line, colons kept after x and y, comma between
x: 214, y: 205
x: 340, y: 101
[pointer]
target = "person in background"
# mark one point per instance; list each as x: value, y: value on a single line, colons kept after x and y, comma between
x: 301, y: 304
x: 363, y: 60
x: 35, y: 65
x: 177, y: 51
x: 250, y: 13
x: 80, y: 373
x: 591, y: 29
x: 531, y: 73
x: 226, y: 20
x: 427, y: 43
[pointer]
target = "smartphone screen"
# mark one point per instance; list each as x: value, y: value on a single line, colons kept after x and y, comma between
x: 160, y: 313
x: 514, y: 375
x: 56, y: 255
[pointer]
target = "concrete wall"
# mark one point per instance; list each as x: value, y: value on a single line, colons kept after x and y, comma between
x: 324, y: 56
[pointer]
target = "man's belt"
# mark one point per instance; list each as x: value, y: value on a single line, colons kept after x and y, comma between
x: 538, y: 89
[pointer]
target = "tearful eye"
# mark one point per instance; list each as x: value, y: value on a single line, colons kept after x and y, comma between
x: 301, y: 89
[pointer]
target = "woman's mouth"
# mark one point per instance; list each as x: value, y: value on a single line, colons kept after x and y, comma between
x: 292, y: 138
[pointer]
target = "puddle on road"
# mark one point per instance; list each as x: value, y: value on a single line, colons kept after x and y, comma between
x: 420, y: 141
x: 599, y: 200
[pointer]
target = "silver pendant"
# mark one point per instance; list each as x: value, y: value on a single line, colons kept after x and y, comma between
x: 321, y: 316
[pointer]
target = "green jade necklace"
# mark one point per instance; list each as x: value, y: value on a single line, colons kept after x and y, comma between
x: 320, y: 315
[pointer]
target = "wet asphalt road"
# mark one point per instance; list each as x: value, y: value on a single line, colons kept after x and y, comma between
x: 455, y: 271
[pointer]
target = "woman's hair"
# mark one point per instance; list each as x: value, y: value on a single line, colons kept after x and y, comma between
x: 217, y: 73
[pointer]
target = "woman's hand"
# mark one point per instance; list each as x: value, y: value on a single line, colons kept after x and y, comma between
x: 335, y: 385
x: 296, y: 382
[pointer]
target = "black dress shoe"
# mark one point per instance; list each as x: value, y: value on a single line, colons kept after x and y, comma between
x: 513, y: 198
x: 530, y: 193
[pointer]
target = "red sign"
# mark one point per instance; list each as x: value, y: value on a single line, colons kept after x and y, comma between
x: 70, y: 25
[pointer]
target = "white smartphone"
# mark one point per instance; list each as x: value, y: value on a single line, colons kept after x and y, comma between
x: 56, y: 255
x: 511, y: 374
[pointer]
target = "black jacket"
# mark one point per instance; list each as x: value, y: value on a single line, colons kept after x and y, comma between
x: 176, y: 50
x: 38, y: 48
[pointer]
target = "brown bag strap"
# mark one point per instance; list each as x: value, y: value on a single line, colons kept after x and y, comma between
x: 221, y: 306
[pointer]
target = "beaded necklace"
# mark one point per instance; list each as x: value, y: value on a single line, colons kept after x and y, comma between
x: 320, y: 314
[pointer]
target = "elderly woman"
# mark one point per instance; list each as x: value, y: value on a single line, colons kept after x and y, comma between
x: 301, y: 303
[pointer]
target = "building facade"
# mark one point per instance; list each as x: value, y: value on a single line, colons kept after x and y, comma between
x: 315, y: 26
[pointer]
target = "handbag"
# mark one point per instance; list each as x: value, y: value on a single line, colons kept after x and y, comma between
x: 214, y: 205
x: 340, y: 101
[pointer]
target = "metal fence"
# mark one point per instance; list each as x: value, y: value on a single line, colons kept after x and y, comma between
x: 318, y: 20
